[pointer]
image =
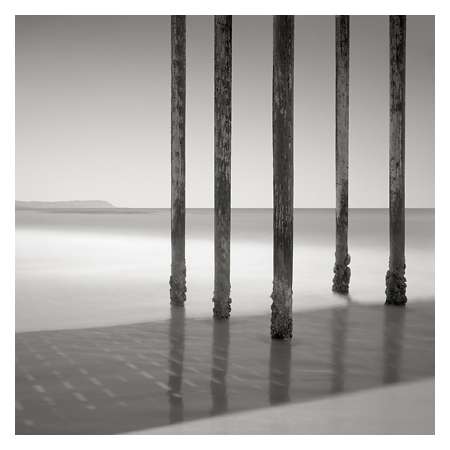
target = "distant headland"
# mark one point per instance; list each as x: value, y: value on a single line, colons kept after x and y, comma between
x: 68, y: 204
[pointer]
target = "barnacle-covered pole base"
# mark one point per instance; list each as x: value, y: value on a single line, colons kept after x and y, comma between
x: 396, y: 287
x: 222, y: 304
x: 178, y: 285
x: 281, y: 321
x: 342, y: 274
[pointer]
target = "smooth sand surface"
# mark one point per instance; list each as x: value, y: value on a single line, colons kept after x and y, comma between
x: 400, y: 409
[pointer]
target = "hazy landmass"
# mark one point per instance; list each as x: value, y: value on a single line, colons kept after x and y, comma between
x: 76, y: 204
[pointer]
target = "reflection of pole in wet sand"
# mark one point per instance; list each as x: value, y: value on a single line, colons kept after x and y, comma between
x: 394, y: 324
x: 221, y: 342
x: 176, y: 355
x: 279, y: 371
x: 340, y: 320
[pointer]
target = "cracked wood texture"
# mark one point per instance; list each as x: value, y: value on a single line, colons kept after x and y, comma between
x: 341, y: 270
x: 178, y: 164
x: 395, y: 277
x: 222, y: 165
x: 283, y: 174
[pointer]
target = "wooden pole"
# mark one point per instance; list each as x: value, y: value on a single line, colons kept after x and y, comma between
x: 341, y: 270
x: 395, y: 277
x: 283, y: 174
x: 222, y: 165
x: 178, y: 111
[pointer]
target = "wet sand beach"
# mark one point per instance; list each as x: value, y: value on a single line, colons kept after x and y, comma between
x: 133, y: 377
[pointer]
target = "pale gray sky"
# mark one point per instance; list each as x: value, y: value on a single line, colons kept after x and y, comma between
x: 93, y: 110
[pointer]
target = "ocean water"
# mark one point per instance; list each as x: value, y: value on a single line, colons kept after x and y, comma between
x: 90, y: 268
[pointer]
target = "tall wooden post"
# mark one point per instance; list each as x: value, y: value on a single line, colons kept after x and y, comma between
x: 283, y: 174
x: 395, y: 277
x: 341, y: 270
x: 222, y: 165
x: 178, y: 110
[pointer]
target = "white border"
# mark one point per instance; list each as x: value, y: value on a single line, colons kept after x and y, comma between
x: 193, y: 7
x: 7, y: 189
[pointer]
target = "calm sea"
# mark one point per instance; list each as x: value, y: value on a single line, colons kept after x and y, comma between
x: 82, y: 268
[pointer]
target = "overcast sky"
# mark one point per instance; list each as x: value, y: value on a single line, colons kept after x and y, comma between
x: 93, y: 110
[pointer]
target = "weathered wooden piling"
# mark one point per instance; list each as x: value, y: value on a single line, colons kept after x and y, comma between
x: 178, y: 111
x: 283, y: 174
x: 395, y: 277
x: 341, y: 278
x: 222, y: 165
